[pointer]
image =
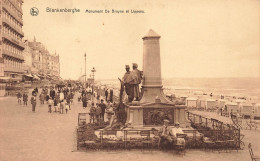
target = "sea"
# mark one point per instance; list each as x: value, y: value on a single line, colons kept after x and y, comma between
x: 248, y: 88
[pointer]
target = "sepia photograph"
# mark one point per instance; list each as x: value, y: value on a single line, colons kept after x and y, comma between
x: 120, y: 80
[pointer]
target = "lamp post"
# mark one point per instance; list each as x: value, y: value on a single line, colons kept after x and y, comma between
x: 85, y: 71
x: 93, y: 71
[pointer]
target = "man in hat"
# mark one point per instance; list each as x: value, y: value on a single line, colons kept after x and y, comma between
x: 135, y: 79
x: 103, y: 109
x: 166, y: 135
x: 126, y: 80
x: 33, y: 102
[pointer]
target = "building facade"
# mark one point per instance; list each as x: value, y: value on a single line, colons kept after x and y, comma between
x: 11, y: 46
x: 44, y: 64
x: 27, y: 53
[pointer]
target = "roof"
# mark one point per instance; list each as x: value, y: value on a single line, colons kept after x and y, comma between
x: 5, y: 78
x: 151, y: 33
x: 232, y: 103
x: 192, y: 99
x: 247, y: 104
x: 211, y: 100
x: 240, y: 100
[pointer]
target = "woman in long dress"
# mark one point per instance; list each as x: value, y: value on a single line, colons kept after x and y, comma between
x: 84, y: 101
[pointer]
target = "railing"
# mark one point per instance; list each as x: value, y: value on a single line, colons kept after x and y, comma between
x: 216, y: 130
x: 128, y: 139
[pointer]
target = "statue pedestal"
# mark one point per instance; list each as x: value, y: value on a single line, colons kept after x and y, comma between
x: 153, y: 114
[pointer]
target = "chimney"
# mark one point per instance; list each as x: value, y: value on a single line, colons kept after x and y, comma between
x: 152, y: 81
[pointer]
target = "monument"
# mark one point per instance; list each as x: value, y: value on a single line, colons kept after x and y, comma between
x: 153, y: 107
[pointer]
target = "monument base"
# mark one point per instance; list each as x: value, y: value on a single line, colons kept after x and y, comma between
x: 153, y: 114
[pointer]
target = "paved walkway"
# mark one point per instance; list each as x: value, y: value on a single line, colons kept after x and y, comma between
x: 41, y: 136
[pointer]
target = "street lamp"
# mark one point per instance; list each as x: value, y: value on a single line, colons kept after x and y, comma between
x: 93, y: 71
x: 85, y: 70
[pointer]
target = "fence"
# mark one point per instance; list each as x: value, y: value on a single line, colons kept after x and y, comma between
x: 216, y: 130
x: 134, y: 139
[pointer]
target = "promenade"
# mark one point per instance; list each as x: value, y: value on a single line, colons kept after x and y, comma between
x: 43, y: 136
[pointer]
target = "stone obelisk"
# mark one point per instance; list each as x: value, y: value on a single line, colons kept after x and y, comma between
x: 152, y: 80
x: 153, y: 102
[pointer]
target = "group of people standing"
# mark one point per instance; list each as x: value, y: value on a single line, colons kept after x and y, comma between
x: 97, y: 110
x: 111, y: 95
x: 23, y: 97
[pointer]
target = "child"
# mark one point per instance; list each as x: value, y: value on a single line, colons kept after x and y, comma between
x: 92, y: 112
x: 109, y: 111
x: 49, y: 104
x: 68, y: 101
x: 58, y: 107
x: 19, y: 97
x: 66, y: 107
x: 62, y: 104
x: 79, y: 99
x: 55, y: 104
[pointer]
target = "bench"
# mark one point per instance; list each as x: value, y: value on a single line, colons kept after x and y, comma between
x: 253, y: 157
x: 146, y: 135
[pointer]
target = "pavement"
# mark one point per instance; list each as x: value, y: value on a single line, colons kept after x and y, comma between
x: 43, y: 136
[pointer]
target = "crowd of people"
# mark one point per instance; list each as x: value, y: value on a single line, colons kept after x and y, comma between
x: 104, y: 103
x: 58, y: 99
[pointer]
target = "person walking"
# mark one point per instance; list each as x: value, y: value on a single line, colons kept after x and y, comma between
x: 103, y: 109
x: 62, y: 106
x: 25, y: 99
x: 56, y: 101
x: 98, y: 113
x: 61, y: 95
x: 50, y: 102
x: 111, y: 95
x: 68, y: 100
x: 52, y: 93
x: 84, y: 101
x: 66, y: 107
x: 106, y: 94
x: 33, y: 102
x: 92, y: 112
x: 19, y: 97
x: 42, y: 98
x: 71, y: 97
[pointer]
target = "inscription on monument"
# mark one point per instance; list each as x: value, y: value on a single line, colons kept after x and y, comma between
x: 155, y: 116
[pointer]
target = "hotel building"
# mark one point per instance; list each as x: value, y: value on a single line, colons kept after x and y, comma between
x: 11, y: 34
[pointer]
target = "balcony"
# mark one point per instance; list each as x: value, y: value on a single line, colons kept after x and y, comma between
x: 13, y: 69
x: 11, y: 11
x: 6, y: 21
x: 13, y: 40
x: 11, y: 54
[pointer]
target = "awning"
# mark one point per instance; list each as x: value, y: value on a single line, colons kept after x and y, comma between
x: 36, y: 77
x: 40, y: 76
x: 16, y: 79
x: 5, y: 78
x: 28, y: 75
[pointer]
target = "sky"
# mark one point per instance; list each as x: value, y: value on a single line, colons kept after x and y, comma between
x: 199, y: 38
